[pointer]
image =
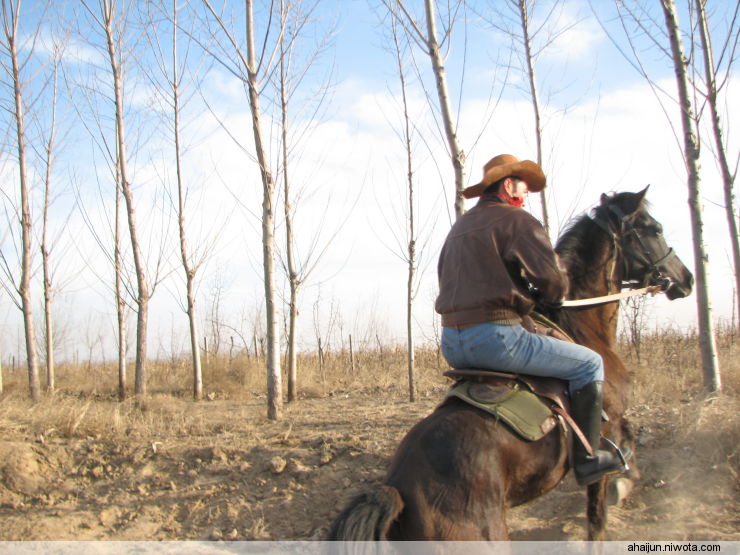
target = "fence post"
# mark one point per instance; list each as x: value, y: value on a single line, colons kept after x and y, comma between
x: 351, y: 356
x: 205, y: 351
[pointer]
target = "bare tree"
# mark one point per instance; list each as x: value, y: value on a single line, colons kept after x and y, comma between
x: 243, y: 65
x: 710, y: 361
x: 87, y: 92
x: 429, y: 42
x: 11, y: 14
x: 173, y: 74
x: 111, y: 22
x: 408, y: 247
x: 296, y: 59
x: 713, y: 87
x: 214, y: 317
x: 411, y: 257
x: 633, y: 318
x: 324, y: 326
x: 665, y: 37
x: 290, y: 262
x: 45, y: 239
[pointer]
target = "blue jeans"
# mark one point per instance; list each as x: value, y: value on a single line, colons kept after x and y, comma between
x: 514, y: 349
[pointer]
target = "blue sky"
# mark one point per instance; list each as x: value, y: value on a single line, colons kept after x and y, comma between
x: 604, y: 131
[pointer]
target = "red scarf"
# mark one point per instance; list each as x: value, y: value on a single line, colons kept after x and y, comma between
x: 514, y: 201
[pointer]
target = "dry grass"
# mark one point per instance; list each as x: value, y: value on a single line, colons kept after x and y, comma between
x: 668, y: 368
x: 666, y: 376
x: 85, y: 403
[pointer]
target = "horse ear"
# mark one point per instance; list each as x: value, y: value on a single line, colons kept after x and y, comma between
x: 604, y: 199
x: 632, y: 201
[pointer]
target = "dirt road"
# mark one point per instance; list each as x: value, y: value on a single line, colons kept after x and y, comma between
x: 228, y: 473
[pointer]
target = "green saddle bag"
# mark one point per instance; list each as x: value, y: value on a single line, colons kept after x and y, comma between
x: 523, y: 411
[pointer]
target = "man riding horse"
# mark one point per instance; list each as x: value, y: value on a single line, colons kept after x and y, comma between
x: 491, y: 256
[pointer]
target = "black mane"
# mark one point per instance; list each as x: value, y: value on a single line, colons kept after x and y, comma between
x: 582, y: 243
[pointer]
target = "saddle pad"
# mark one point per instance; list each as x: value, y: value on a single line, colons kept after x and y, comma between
x: 522, y: 410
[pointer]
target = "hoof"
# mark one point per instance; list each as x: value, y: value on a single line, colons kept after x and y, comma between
x: 618, y: 490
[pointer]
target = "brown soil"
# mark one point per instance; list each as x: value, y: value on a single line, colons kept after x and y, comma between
x: 234, y: 475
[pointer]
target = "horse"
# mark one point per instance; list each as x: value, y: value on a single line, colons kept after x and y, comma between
x: 459, y: 469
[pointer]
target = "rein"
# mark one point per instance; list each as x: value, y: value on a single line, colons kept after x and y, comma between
x: 652, y: 289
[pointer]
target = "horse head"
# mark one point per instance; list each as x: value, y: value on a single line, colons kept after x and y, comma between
x: 646, y: 257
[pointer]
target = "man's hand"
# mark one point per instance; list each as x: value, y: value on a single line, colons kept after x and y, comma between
x: 556, y: 334
x: 528, y: 324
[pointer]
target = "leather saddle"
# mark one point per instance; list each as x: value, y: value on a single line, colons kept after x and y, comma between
x: 551, y: 389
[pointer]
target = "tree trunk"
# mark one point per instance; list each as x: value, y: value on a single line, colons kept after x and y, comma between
x: 456, y: 154
x: 293, y: 278
x: 48, y: 296
x: 292, y: 354
x: 524, y: 17
x: 728, y: 178
x: 710, y: 362
x: 48, y: 302
x: 187, y: 268
x: 142, y: 299
x: 411, y: 230
x: 24, y: 289
x: 410, y: 323
x: 120, y: 302
x: 48, y: 291
x: 274, y: 379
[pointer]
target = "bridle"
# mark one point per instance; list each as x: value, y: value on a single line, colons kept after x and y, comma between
x: 631, y: 255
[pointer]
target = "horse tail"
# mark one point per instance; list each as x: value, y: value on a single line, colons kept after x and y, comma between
x: 368, y: 517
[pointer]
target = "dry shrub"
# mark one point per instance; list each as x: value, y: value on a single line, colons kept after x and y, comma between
x: 669, y: 397
x: 669, y: 367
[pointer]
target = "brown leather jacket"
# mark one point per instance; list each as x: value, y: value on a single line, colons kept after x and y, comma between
x: 482, y: 262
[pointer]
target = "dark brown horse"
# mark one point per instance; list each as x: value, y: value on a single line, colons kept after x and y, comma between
x: 458, y: 470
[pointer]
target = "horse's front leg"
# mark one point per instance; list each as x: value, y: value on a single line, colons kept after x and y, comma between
x: 621, y: 487
x: 628, y: 440
x: 596, y: 510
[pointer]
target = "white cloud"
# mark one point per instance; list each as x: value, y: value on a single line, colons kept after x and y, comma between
x: 576, y: 33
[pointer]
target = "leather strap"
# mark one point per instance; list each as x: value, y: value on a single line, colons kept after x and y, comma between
x: 609, y: 298
x: 576, y: 430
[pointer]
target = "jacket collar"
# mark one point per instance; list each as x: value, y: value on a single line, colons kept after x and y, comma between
x: 489, y: 198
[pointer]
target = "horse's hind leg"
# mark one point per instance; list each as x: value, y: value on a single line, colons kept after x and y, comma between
x: 499, y: 530
x: 596, y: 510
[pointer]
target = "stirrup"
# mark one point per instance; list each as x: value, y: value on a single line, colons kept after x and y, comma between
x: 622, y: 457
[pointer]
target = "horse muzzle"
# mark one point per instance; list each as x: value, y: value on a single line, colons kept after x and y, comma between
x: 679, y: 290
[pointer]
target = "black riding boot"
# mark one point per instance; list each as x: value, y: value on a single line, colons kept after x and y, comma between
x: 585, y: 407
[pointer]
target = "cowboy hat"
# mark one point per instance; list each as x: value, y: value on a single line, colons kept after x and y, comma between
x: 506, y: 165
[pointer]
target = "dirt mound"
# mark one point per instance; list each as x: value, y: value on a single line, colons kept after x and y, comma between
x: 28, y: 470
x: 21, y: 468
